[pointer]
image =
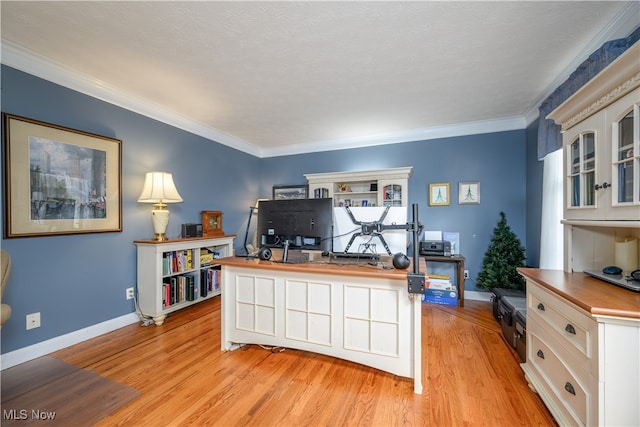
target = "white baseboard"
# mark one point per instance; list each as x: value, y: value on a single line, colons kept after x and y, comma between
x: 31, y: 352
x: 477, y: 295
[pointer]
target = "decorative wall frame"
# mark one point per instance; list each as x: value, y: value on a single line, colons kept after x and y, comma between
x: 469, y: 193
x: 59, y: 180
x: 287, y: 192
x: 439, y: 194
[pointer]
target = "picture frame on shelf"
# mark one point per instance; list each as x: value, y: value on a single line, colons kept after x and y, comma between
x: 469, y: 193
x: 439, y: 194
x: 211, y: 223
x: 288, y: 192
x: 59, y: 180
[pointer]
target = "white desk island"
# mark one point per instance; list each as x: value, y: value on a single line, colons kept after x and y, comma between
x: 355, y: 312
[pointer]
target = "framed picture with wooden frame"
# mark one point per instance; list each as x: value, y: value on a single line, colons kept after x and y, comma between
x: 212, y: 224
x: 59, y: 180
x: 439, y: 194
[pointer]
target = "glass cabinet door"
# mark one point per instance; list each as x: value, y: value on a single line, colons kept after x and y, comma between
x: 625, y: 159
x: 392, y: 195
x: 582, y: 169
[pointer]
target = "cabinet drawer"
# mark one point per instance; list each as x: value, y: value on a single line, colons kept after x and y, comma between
x: 573, y: 395
x: 572, y: 328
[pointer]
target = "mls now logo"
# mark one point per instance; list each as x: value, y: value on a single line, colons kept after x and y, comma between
x: 23, y: 414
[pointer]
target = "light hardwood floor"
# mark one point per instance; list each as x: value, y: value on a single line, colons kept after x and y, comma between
x: 470, y: 377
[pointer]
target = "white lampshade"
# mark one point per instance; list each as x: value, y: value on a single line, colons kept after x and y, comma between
x: 159, y: 189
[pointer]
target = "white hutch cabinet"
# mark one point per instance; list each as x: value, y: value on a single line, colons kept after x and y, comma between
x: 583, y: 334
x: 601, y: 143
x: 385, y: 187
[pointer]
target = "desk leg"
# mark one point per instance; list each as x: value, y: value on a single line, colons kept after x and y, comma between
x: 461, y: 283
x: 416, y: 307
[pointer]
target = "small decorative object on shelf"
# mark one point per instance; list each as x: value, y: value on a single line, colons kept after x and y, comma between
x: 212, y: 224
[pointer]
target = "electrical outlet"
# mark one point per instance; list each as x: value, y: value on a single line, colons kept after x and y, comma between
x: 466, y: 274
x: 129, y: 293
x: 33, y: 320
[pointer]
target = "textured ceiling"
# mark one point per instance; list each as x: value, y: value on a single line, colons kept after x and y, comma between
x: 274, y: 78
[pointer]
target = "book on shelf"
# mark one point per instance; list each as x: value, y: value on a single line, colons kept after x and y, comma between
x: 189, y: 259
x: 190, y: 286
x: 437, y: 281
x: 165, y: 266
x: 180, y: 264
x: 206, y: 257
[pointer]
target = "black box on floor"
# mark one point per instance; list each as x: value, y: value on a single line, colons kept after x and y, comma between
x: 498, y: 293
x: 521, y: 334
x: 508, y: 308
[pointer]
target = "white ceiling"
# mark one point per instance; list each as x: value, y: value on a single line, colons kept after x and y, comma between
x: 273, y: 78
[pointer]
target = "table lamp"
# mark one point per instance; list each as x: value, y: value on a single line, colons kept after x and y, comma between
x: 159, y: 189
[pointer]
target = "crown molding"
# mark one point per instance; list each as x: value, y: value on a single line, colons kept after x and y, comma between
x: 24, y: 60
x: 423, y: 134
x: 19, y: 58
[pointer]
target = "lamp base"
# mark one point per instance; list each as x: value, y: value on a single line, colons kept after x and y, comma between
x: 160, y: 237
x: 160, y: 219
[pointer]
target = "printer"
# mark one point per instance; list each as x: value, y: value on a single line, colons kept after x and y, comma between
x: 435, y: 247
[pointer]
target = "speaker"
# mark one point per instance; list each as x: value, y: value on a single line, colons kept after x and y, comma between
x: 191, y: 230
x: 401, y: 261
x: 264, y: 253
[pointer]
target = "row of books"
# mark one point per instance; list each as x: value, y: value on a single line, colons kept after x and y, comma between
x: 210, y: 279
x: 438, y: 281
x: 177, y: 261
x: 440, y: 290
x: 177, y: 289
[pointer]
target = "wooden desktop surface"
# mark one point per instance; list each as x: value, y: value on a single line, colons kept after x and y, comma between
x: 324, y: 265
x: 593, y: 295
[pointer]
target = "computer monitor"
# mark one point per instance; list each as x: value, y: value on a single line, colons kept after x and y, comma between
x: 303, y: 223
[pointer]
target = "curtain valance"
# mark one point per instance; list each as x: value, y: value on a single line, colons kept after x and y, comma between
x: 549, y: 137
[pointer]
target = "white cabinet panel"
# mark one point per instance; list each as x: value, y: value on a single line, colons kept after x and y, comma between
x: 365, y: 320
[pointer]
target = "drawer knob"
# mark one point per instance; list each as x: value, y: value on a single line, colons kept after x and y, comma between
x: 569, y: 328
x: 540, y: 354
x: 570, y: 388
x: 540, y: 306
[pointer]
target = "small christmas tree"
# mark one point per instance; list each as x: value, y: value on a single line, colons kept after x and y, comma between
x: 504, y: 255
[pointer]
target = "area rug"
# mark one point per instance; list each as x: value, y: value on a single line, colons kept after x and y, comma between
x: 48, y: 391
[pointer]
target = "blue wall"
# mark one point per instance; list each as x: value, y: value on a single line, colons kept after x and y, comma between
x: 496, y: 160
x: 79, y: 281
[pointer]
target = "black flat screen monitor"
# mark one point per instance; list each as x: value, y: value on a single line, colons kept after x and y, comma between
x: 304, y: 223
